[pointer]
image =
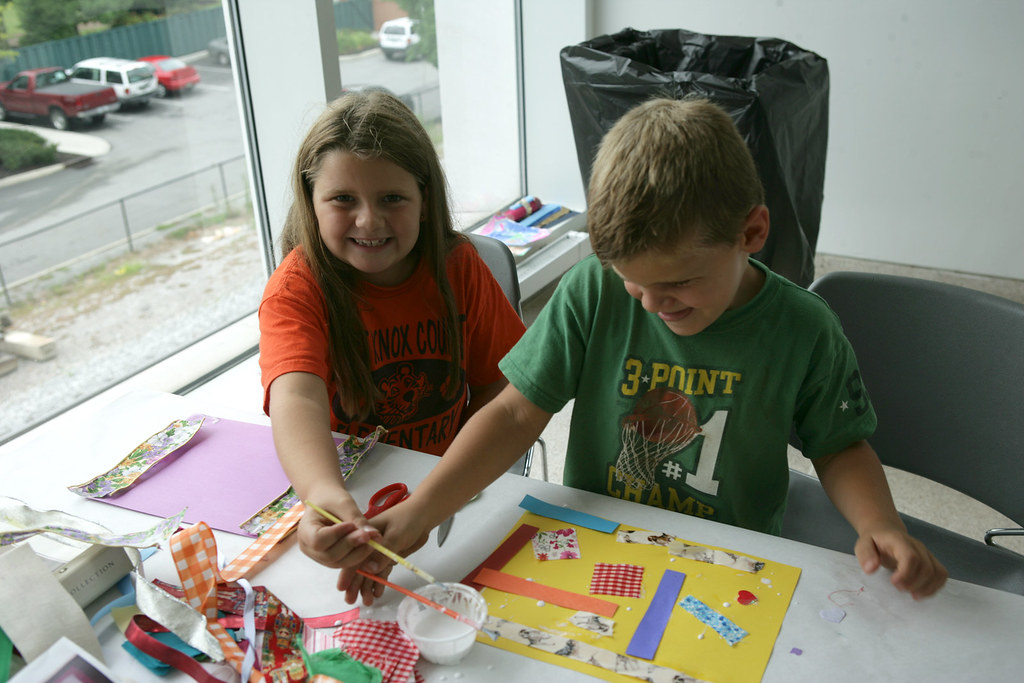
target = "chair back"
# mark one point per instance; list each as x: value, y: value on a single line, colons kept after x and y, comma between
x: 503, y: 267
x: 944, y: 367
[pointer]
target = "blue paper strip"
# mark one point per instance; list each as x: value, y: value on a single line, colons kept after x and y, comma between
x: 725, y: 628
x: 648, y: 634
x: 539, y: 507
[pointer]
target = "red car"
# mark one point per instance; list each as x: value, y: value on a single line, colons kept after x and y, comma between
x: 172, y: 74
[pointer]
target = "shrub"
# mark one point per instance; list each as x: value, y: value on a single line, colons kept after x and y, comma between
x: 20, y: 148
x: 351, y: 41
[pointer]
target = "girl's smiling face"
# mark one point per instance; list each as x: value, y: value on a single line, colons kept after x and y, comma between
x: 368, y: 211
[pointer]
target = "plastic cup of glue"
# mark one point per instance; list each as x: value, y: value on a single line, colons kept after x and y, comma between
x: 440, y: 638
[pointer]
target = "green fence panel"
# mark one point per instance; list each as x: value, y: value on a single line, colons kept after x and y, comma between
x: 177, y: 35
x: 354, y: 14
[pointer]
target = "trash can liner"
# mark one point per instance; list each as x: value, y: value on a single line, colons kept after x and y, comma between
x: 775, y: 91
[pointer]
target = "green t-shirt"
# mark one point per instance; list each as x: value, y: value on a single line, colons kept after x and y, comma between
x: 696, y: 424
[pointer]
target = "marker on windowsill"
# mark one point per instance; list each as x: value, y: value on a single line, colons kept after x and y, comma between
x: 378, y: 547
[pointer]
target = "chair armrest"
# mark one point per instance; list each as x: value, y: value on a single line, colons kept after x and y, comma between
x: 992, y: 533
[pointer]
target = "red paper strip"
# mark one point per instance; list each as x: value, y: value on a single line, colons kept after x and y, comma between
x: 531, y: 589
x: 503, y: 553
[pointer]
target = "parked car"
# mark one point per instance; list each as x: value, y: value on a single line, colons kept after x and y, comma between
x: 396, y: 36
x: 134, y: 82
x: 47, y: 92
x: 218, y: 49
x: 173, y: 76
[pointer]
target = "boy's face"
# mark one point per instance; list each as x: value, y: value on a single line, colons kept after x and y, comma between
x: 691, y: 286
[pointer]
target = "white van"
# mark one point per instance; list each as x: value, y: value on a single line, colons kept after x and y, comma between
x: 397, y: 36
x: 134, y: 82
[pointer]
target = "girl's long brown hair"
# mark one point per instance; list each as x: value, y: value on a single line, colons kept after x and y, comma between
x: 370, y: 125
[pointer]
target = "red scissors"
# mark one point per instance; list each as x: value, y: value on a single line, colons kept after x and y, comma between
x: 387, y: 497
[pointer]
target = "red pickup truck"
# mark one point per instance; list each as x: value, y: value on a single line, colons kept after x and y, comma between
x: 48, y: 92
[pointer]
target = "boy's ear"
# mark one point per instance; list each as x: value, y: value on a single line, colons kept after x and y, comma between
x: 755, y: 229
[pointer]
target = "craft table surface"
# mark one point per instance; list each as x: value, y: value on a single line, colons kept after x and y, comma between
x: 964, y: 633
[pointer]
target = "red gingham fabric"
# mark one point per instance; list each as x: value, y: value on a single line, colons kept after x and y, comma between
x: 624, y: 580
x: 381, y: 644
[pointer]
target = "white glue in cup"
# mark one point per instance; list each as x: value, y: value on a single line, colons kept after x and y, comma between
x: 442, y: 639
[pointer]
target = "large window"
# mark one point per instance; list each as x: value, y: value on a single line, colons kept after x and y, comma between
x: 160, y: 232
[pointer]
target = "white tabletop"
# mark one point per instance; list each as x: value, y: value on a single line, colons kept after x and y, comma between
x: 966, y: 632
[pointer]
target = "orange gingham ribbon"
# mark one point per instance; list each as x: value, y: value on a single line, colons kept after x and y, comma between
x: 251, y: 556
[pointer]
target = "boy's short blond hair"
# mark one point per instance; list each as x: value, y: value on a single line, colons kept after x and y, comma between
x: 666, y: 171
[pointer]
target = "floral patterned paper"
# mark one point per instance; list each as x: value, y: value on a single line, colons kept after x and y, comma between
x: 350, y: 452
x: 560, y: 544
x: 142, y: 459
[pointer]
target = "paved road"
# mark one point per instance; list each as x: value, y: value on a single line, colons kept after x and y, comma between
x: 152, y: 146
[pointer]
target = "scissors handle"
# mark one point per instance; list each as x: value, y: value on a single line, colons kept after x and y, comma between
x: 387, y: 497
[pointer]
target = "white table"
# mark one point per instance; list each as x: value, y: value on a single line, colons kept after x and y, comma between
x: 966, y: 632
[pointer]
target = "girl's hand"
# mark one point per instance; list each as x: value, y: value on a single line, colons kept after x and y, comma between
x: 331, y: 544
x: 401, y: 531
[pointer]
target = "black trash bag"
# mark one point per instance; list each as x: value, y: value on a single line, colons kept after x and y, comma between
x: 776, y: 92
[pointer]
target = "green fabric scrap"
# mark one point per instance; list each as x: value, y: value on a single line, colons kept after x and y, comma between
x: 339, y: 666
x: 6, y: 652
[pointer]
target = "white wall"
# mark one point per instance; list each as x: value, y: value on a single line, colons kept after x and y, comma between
x: 926, y: 145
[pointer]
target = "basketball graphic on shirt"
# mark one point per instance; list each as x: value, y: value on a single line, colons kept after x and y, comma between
x: 663, y: 422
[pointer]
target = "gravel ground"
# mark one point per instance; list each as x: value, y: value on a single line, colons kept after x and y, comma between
x: 137, y: 309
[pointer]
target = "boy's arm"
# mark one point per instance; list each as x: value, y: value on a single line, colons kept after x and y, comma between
x: 300, y: 420
x: 481, y: 396
x: 483, y: 450
x: 854, y: 480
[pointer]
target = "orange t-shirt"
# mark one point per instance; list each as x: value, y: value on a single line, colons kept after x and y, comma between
x: 410, y: 355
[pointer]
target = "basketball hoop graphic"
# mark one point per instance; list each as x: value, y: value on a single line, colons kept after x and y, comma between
x: 663, y: 422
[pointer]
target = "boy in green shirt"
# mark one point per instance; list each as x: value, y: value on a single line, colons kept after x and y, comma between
x: 690, y: 364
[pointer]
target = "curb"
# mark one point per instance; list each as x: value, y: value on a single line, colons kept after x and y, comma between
x: 83, y: 147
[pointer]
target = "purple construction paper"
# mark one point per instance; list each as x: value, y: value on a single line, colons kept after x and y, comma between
x: 227, y: 473
x: 648, y: 633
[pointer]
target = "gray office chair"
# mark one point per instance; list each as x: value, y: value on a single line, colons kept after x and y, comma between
x: 944, y: 367
x: 503, y: 267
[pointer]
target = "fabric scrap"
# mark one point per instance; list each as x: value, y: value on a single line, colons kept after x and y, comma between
x: 509, y: 548
x: 380, y: 644
x: 569, y: 516
x: 144, y: 457
x: 338, y: 665
x: 722, y: 558
x: 21, y: 521
x: 623, y: 580
x: 560, y: 544
x: 587, y: 653
x: 720, y: 623
x: 538, y: 591
x: 644, y: 537
x: 647, y: 637
x: 595, y: 623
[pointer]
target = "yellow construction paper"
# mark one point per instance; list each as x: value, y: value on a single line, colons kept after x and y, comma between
x: 687, y: 645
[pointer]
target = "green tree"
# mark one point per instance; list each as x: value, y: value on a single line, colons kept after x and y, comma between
x: 6, y: 47
x: 43, y: 20
x: 422, y: 11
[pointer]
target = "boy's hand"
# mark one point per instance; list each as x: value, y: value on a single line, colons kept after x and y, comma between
x: 402, y: 531
x: 914, y: 568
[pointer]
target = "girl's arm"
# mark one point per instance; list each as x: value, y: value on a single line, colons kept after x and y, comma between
x: 483, y: 450
x: 301, y: 424
x: 855, y: 482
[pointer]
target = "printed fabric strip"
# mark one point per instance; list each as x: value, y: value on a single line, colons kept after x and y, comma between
x: 350, y: 453
x: 23, y: 522
x: 624, y: 580
x: 722, y: 558
x: 255, y: 552
x: 720, y: 623
x: 142, y: 459
x: 584, y: 652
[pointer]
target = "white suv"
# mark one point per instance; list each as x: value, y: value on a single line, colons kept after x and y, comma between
x: 397, y: 36
x: 134, y: 82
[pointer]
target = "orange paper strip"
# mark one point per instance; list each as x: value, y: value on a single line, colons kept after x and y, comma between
x: 531, y: 589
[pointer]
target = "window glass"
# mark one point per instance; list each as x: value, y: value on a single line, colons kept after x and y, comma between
x: 144, y: 245
x: 140, y: 74
x: 114, y: 77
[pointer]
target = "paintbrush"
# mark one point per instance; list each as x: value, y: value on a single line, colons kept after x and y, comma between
x: 379, y: 548
x: 426, y: 601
